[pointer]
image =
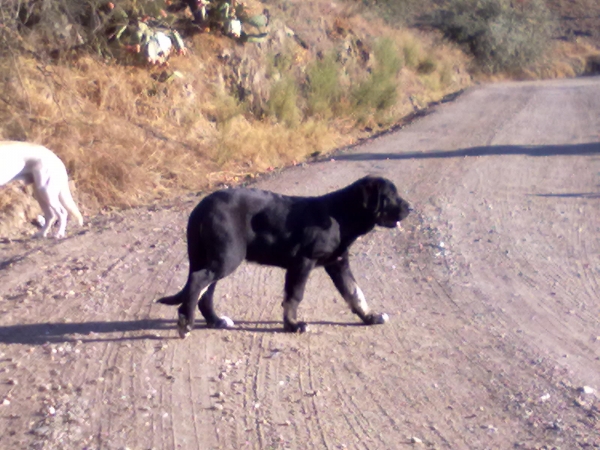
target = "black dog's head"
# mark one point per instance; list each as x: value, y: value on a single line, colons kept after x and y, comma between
x: 382, y: 199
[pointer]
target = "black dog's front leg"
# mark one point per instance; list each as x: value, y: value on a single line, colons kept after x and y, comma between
x: 342, y: 278
x: 295, y: 282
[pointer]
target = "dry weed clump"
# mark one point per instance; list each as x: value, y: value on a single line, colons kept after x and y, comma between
x: 115, y: 128
x: 246, y: 147
x: 566, y: 60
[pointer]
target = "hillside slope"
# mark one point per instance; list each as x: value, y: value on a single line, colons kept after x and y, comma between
x: 327, y: 75
x: 132, y: 134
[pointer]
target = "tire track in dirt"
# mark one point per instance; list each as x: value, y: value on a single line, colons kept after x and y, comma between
x: 419, y: 394
x: 254, y: 348
x: 125, y: 362
x: 108, y: 354
x: 322, y: 442
x: 537, y: 244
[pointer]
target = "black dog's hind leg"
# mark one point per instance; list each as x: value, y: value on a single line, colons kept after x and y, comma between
x: 208, y: 311
x: 344, y: 281
x: 198, y: 283
x: 295, y: 282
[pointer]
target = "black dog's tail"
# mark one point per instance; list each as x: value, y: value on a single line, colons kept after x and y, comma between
x: 176, y: 299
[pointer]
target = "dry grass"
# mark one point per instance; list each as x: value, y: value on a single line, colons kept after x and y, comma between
x: 565, y: 60
x: 112, y: 127
x: 245, y: 147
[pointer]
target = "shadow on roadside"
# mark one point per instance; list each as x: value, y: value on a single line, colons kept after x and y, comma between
x: 4, y: 264
x: 33, y: 245
x: 533, y: 150
x: 87, y: 332
x: 570, y: 195
x: 41, y: 333
x: 277, y: 326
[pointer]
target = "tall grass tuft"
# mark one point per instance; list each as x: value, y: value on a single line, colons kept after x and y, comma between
x: 323, y: 87
x: 283, y: 102
x: 380, y: 90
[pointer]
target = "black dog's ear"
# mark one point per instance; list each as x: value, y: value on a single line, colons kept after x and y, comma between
x: 371, y: 192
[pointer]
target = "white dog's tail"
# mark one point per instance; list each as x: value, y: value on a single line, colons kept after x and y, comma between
x: 67, y: 201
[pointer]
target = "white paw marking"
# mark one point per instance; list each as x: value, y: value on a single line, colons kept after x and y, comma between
x: 203, y: 291
x: 385, y: 318
x: 228, y: 322
x: 183, y: 333
x: 359, y: 300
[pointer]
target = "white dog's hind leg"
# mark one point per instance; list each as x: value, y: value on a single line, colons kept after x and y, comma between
x: 49, y: 213
x: 40, y: 193
x: 62, y: 221
x: 66, y: 199
x: 48, y: 193
x: 53, y: 196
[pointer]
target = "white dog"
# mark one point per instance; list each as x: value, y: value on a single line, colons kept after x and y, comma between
x: 35, y: 164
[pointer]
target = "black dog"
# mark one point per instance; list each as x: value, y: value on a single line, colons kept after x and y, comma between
x: 294, y: 233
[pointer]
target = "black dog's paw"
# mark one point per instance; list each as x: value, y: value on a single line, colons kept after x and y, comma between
x: 299, y: 327
x: 183, y: 326
x: 222, y: 322
x: 376, y: 319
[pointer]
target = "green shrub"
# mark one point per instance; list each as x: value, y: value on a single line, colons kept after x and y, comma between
x: 411, y: 51
x: 283, y: 102
x: 323, y: 86
x: 380, y: 89
x: 387, y: 57
x: 500, y: 36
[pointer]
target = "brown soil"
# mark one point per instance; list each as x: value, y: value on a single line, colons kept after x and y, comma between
x: 492, y: 289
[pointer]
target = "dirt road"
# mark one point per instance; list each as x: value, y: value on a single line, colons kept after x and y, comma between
x: 493, y: 289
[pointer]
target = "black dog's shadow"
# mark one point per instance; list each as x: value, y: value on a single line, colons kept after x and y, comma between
x: 273, y: 326
x: 42, y: 333
x: 88, y: 332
